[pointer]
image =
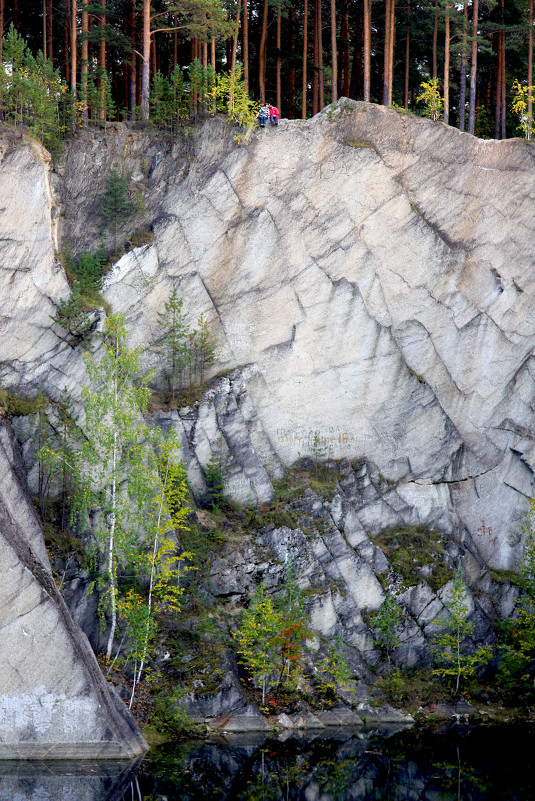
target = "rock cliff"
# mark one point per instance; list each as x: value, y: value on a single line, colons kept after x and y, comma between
x: 368, y: 276
x: 372, y: 271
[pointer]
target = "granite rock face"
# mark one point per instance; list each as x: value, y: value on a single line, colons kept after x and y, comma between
x: 372, y: 269
x: 54, y: 701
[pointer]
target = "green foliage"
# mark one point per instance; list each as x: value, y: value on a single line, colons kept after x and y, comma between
x: 520, y: 108
x: 204, y: 344
x: 453, y: 665
x: 130, y: 481
x: 213, y: 476
x: 184, y: 353
x: 72, y: 316
x: 272, y: 636
x: 333, y: 673
x: 170, y: 716
x: 12, y: 405
x: 430, y: 97
x: 385, y: 624
x: 516, y: 653
x: 31, y: 92
x: 258, y: 638
x: 230, y: 96
x: 116, y: 206
x: 416, y: 553
x: 172, y: 344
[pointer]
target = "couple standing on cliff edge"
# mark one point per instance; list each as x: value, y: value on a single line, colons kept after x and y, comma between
x: 270, y: 111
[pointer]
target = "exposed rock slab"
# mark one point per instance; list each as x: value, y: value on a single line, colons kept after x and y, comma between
x: 54, y: 701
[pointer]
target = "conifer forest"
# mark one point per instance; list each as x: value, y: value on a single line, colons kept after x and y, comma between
x: 67, y: 63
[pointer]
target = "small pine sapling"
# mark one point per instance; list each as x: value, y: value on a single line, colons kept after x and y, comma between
x: 116, y: 206
x: 453, y: 664
x: 172, y: 344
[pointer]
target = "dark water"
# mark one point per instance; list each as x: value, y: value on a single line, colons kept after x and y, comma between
x: 449, y: 765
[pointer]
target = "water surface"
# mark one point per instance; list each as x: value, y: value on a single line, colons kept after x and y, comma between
x: 468, y: 763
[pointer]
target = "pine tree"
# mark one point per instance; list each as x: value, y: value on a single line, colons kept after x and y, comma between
x: 116, y: 206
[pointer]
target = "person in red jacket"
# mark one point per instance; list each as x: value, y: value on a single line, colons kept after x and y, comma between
x: 273, y: 114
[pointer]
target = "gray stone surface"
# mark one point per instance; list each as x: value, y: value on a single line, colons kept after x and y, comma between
x: 54, y: 701
x: 378, y: 286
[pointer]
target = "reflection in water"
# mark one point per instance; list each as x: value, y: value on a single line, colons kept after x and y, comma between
x: 459, y: 764
x: 472, y: 764
x: 59, y: 780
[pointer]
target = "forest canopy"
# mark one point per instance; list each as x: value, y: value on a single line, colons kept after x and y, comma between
x: 299, y: 55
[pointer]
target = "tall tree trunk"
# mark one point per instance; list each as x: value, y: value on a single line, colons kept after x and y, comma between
x: 530, y: 65
x: 315, y: 74
x: 44, y: 28
x: 356, y: 90
x: 235, y: 39
x: 305, y: 60
x: 84, y: 66
x: 407, y: 57
x: 145, y: 64
x: 66, y: 32
x: 49, y: 37
x: 212, y: 54
x: 291, y: 66
x: 245, y: 45
x: 262, y: 53
x: 434, y: 70
x: 233, y: 56
x: 344, y: 41
x: 498, y: 98
x: 334, y: 54
x: 386, y: 55
x: 2, y: 24
x: 462, y: 81
x: 503, y: 114
x: 473, y: 69
x: 278, y: 87
x: 367, y: 48
x: 447, y: 65
x: 74, y: 44
x: 16, y: 13
x: 132, y: 66
x: 102, y: 59
x: 320, y: 54
x: 392, y: 46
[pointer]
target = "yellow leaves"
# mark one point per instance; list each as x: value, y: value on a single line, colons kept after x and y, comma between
x: 520, y: 107
x: 430, y: 96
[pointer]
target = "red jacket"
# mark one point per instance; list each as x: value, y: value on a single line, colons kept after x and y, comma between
x: 273, y: 111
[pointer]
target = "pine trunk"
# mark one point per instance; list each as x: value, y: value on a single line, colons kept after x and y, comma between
x: 503, y: 114
x: 367, y: 49
x: 473, y: 69
x: 102, y: 60
x: 530, y: 65
x: 305, y: 59
x: 85, y: 61
x: 345, y: 62
x: 320, y: 53
x: 291, y: 67
x: 245, y: 46
x: 498, y: 99
x: 44, y: 29
x: 315, y: 74
x: 262, y: 54
x: 462, y: 81
x: 447, y: 66
x: 334, y: 54
x: 434, y: 70
x: 132, y: 72
x: 74, y: 31
x: 392, y: 45
x: 386, y: 55
x: 145, y: 66
x: 49, y: 37
x: 278, y: 102
x: 407, y: 57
